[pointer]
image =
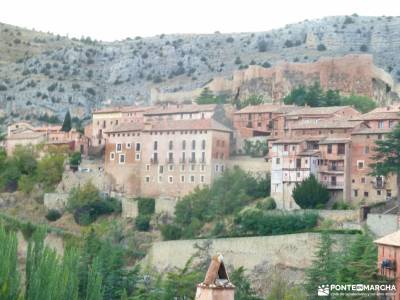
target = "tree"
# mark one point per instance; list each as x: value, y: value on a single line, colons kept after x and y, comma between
x: 207, y: 97
x: 310, y: 193
x: 244, y: 291
x: 324, y: 268
x: 251, y: 100
x: 387, y: 158
x: 49, y: 171
x: 362, y: 103
x: 67, y: 124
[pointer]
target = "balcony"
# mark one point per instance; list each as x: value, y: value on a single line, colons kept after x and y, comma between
x: 333, y: 184
x: 192, y: 160
x: 202, y: 161
x: 335, y: 168
x: 154, y: 160
x: 380, y: 185
x: 182, y: 160
x: 169, y: 160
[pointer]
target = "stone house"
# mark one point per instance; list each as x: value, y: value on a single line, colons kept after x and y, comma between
x: 166, y: 157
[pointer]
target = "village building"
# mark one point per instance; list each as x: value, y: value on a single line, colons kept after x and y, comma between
x: 257, y: 120
x: 284, y: 124
x: 166, y: 157
x: 25, y: 134
x: 388, y: 260
x: 292, y: 161
x: 365, y: 187
x: 107, y: 118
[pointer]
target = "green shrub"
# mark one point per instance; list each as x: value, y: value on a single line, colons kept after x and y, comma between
x: 171, y: 232
x: 266, y: 204
x: 142, y: 222
x: 254, y: 221
x: 75, y: 159
x: 146, y: 206
x: 341, y: 205
x: 27, y: 230
x: 321, y: 47
x: 53, y: 215
x: 310, y: 193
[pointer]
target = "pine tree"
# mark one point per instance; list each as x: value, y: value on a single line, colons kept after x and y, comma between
x: 67, y: 124
x: 323, y: 269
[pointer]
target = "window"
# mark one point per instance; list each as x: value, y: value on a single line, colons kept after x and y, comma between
x: 340, y: 149
x: 203, y: 168
x: 193, y: 144
x: 258, y: 124
x: 193, y: 167
x: 222, y: 168
x: 147, y: 167
x: 137, y: 156
x: 128, y: 145
x: 277, y: 160
x: 285, y: 148
x: 155, y: 157
x: 389, y: 193
x: 170, y: 168
x: 365, y: 194
x: 202, y: 178
x: 192, y: 179
x: 112, y: 155
x: 138, y: 147
x: 170, y: 179
x: 216, y: 168
x: 171, y: 145
x: 155, y: 146
x: 379, y: 136
x: 381, y: 124
x: 183, y: 145
x: 203, y: 157
x: 159, y: 178
x: 161, y: 169
x: 118, y: 147
x: 193, y: 159
x: 366, y: 150
x: 203, y: 144
x: 378, y: 192
x: 182, y: 178
x: 170, y: 157
x: 360, y: 164
x: 147, y: 178
x: 183, y: 157
x: 298, y: 174
x: 298, y: 163
x: 391, y: 123
x: 329, y: 150
x: 363, y: 180
x: 122, y: 158
x: 355, y: 193
x: 182, y: 168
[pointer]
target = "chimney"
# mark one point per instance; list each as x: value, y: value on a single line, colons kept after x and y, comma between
x: 216, y: 284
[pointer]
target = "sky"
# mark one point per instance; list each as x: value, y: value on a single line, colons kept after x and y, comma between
x: 118, y: 19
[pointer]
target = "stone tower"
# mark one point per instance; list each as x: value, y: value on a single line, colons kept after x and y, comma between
x: 216, y: 284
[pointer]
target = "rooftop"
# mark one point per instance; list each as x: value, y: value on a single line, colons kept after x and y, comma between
x: 326, y: 124
x: 265, y: 108
x: 371, y: 131
x: 180, y: 108
x: 384, y: 115
x: 201, y: 124
x: 114, y: 109
x: 317, y: 110
x: 392, y: 239
x: 129, y: 126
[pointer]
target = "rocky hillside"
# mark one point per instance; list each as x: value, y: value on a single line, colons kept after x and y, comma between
x: 44, y: 73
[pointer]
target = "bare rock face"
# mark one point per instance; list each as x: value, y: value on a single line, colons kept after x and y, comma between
x: 349, y: 74
x: 46, y: 73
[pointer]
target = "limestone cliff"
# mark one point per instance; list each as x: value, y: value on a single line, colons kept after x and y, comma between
x: 349, y: 74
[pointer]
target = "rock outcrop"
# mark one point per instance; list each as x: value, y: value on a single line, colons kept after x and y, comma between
x: 349, y: 74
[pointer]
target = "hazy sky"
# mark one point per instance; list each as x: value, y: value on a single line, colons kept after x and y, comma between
x: 118, y: 19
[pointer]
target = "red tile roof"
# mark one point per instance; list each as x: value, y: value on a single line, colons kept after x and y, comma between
x: 328, y: 110
x: 180, y: 108
x: 326, y: 124
x: 265, y: 108
x: 384, y: 115
x: 199, y: 124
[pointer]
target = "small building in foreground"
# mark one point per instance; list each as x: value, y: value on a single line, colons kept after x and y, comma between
x: 216, y: 284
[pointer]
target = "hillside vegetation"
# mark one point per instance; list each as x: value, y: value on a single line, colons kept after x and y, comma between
x: 46, y: 73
